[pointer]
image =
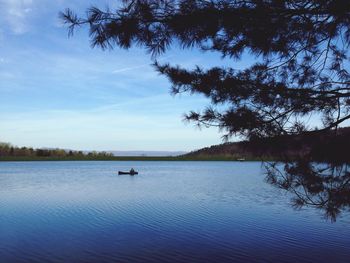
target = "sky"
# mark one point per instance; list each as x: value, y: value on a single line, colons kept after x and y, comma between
x: 57, y: 91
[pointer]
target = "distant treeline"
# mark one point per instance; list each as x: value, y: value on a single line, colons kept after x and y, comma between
x: 9, y: 150
x: 323, y: 147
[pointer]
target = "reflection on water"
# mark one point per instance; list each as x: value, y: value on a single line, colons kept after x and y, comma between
x: 170, y: 212
x: 324, y: 186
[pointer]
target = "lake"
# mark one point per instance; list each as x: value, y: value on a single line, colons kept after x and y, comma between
x: 170, y: 212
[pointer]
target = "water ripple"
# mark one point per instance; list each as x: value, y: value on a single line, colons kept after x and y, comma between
x: 171, y: 212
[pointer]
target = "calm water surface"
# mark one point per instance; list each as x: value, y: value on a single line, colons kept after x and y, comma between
x: 170, y: 212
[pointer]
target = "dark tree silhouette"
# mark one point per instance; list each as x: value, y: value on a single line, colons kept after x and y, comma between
x: 8, y: 150
x: 300, y: 46
x: 324, y: 186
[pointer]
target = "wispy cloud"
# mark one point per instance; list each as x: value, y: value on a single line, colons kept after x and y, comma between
x: 128, y: 68
x: 120, y: 70
x: 56, y: 91
x: 15, y: 14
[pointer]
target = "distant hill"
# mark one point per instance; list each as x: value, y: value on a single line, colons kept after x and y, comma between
x: 325, y: 146
x: 147, y: 153
x: 9, y: 152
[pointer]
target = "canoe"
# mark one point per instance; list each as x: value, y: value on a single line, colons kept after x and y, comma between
x: 130, y: 173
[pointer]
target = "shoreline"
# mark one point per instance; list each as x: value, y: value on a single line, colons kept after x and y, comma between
x: 134, y: 158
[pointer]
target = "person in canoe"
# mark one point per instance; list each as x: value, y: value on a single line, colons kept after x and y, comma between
x: 131, y: 172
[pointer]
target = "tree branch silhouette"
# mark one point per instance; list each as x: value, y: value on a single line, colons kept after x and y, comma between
x: 300, y: 50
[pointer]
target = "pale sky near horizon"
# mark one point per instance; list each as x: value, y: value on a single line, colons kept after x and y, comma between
x: 57, y: 91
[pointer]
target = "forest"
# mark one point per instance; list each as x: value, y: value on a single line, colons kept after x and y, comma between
x: 9, y: 151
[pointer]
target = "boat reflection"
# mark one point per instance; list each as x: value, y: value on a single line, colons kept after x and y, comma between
x: 323, y: 186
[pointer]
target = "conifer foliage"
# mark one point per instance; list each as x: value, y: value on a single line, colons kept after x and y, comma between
x: 300, y: 48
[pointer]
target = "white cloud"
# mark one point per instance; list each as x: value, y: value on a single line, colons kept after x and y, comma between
x: 15, y: 14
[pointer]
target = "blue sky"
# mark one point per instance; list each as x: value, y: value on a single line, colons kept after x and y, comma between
x: 56, y: 91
